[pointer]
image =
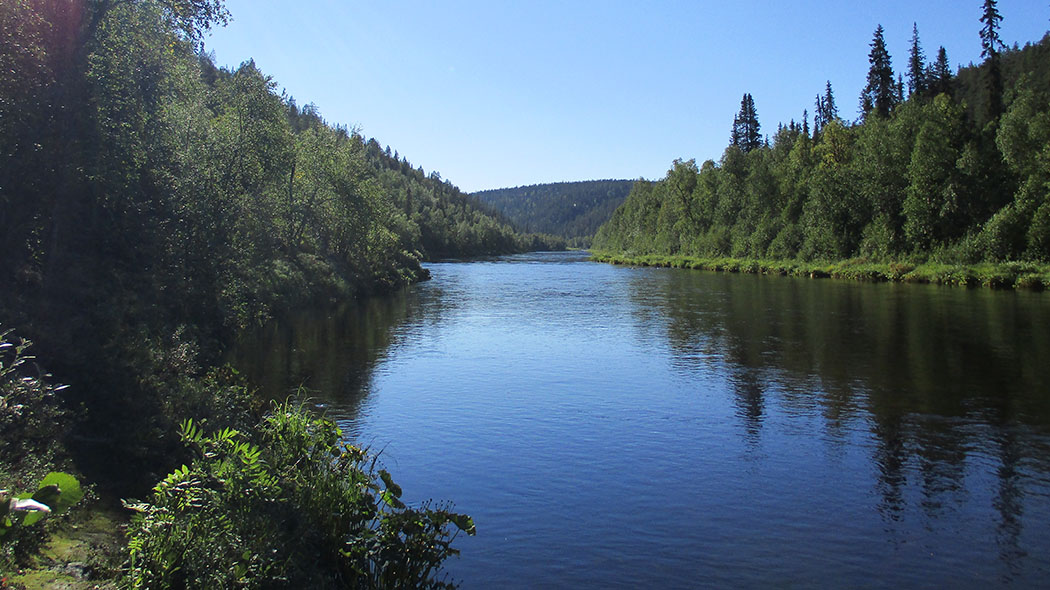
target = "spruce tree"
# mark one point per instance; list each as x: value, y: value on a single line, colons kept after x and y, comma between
x: 831, y: 112
x: 917, y: 74
x: 880, y: 94
x: 826, y: 110
x: 991, y: 44
x: 745, y: 133
x: 818, y: 116
x: 940, y: 74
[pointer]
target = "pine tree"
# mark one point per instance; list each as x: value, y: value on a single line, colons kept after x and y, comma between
x: 917, y: 74
x: 991, y: 44
x: 880, y: 94
x: 745, y: 133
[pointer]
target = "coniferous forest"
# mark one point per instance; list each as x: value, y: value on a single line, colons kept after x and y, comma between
x: 941, y: 167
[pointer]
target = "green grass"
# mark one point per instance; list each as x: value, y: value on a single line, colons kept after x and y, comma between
x: 1003, y: 275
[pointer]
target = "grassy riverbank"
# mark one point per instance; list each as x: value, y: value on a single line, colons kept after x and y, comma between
x: 1004, y: 275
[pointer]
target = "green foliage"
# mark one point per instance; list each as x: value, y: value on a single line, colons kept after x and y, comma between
x: 571, y: 210
x: 147, y: 193
x: 917, y: 73
x: 931, y: 209
x: 31, y: 416
x: 286, y: 505
x: 446, y: 222
x: 746, y: 129
x: 880, y: 93
x: 21, y: 514
x: 924, y: 179
x: 1005, y: 275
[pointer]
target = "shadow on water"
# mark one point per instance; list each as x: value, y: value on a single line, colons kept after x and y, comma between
x: 329, y: 356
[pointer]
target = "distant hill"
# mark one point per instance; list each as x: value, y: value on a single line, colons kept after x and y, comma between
x: 573, y: 210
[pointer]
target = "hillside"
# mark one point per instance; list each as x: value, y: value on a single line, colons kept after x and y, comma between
x: 153, y: 204
x: 572, y: 210
x: 954, y: 172
x: 1029, y: 62
x: 451, y: 223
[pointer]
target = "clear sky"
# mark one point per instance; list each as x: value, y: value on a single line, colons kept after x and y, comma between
x: 494, y: 93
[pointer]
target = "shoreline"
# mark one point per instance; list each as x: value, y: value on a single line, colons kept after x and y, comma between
x: 996, y: 275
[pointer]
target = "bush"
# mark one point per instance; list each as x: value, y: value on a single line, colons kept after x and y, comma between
x: 288, y: 506
x: 31, y: 416
x: 33, y: 424
x: 1003, y: 236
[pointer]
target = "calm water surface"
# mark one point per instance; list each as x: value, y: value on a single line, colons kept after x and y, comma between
x: 623, y: 427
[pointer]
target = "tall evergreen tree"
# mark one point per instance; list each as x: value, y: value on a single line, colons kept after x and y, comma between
x: 745, y: 133
x: 880, y: 94
x: 826, y: 110
x: 917, y: 74
x: 818, y: 115
x: 831, y: 112
x: 939, y: 77
x: 991, y: 45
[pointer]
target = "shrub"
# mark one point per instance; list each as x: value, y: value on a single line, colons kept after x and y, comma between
x: 287, y: 506
x: 30, y: 411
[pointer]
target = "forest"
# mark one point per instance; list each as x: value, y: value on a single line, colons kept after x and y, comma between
x: 570, y: 210
x: 942, y: 167
x: 152, y: 204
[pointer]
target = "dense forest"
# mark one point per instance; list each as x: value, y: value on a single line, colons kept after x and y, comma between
x: 571, y: 210
x: 940, y: 167
x: 451, y: 223
x: 151, y: 205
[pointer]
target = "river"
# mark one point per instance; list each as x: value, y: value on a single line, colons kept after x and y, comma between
x: 619, y: 427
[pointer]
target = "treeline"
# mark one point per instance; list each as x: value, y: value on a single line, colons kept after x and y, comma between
x: 948, y: 168
x: 571, y: 210
x: 151, y: 204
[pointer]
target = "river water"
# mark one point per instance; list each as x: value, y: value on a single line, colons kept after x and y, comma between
x: 621, y: 427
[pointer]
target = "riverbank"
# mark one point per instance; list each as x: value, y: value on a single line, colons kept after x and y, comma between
x: 86, y: 552
x: 1003, y: 275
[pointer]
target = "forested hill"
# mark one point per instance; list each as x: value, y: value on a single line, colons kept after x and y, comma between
x: 572, y: 210
x: 151, y: 203
x: 950, y: 168
x: 451, y: 223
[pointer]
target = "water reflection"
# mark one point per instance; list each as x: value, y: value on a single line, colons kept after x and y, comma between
x: 794, y: 432
x: 933, y: 372
x: 327, y: 353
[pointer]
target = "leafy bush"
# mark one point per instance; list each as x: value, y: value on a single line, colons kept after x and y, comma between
x: 32, y: 423
x: 30, y: 412
x: 286, y: 506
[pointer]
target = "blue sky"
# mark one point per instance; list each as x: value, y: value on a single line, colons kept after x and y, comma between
x: 494, y: 93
